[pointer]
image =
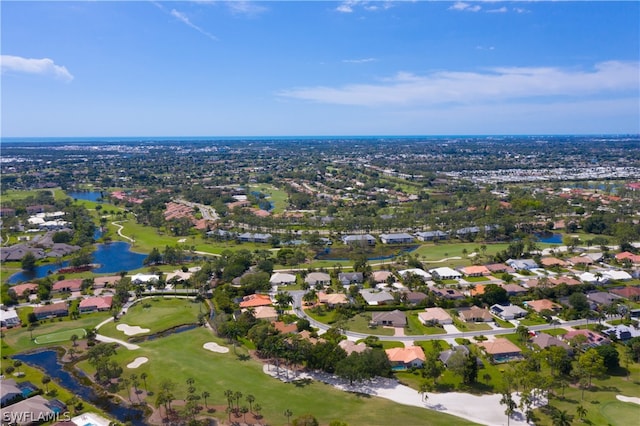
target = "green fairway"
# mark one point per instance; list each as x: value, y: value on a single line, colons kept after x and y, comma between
x: 60, y: 336
x: 156, y: 314
x: 181, y: 356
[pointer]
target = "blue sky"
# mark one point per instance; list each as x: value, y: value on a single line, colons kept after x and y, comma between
x: 216, y: 68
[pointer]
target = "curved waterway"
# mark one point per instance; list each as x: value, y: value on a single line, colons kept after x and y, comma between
x: 47, y: 361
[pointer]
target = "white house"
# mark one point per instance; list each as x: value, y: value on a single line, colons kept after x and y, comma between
x: 281, y: 278
x: 9, y: 318
x: 144, y: 278
x: 445, y: 273
x: 508, y: 312
x: 415, y: 271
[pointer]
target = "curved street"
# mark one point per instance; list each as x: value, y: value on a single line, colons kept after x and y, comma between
x: 297, y: 308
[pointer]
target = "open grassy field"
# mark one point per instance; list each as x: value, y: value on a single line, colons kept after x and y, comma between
x: 156, y: 314
x: 278, y: 197
x: 59, y: 336
x: 181, y: 356
x: 18, y: 340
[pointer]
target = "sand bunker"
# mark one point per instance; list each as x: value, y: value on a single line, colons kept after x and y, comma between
x: 137, y: 362
x: 214, y: 347
x: 623, y: 398
x: 131, y: 330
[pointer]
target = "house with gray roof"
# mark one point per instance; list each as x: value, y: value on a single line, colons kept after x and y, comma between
x: 248, y: 237
x: 524, y: 264
x: 431, y: 235
x: 508, y: 312
x: 394, y: 318
x: 318, y: 279
x: 348, y: 278
x: 401, y: 238
x: 362, y: 239
x: 375, y: 298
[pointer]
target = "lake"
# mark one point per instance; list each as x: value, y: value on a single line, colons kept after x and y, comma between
x: 86, y: 195
x: 112, y: 257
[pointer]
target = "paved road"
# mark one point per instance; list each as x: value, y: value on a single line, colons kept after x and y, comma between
x: 297, y: 307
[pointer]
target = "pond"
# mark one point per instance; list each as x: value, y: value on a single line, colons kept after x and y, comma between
x: 326, y: 254
x: 112, y: 258
x: 48, y: 362
x: 86, y: 195
x: 549, y: 238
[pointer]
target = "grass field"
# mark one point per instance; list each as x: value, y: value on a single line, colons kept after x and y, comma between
x: 181, y: 356
x: 18, y: 340
x: 157, y: 314
x: 60, y: 336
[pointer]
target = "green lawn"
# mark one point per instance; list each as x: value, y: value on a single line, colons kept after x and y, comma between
x: 59, y: 336
x: 18, y: 339
x: 278, y: 197
x: 470, y: 326
x: 360, y: 324
x: 156, y: 314
x: 415, y: 327
x: 181, y: 356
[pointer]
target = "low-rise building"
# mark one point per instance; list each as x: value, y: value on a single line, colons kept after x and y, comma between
x: 94, y: 304
x: 475, y: 314
x: 401, y: 238
x: 435, y: 315
x: 59, y: 309
x: 411, y: 356
x: 393, y: 318
x: 9, y: 318
x: 508, y: 312
x: 318, y: 279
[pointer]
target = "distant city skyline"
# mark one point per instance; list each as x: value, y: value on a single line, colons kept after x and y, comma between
x: 350, y: 68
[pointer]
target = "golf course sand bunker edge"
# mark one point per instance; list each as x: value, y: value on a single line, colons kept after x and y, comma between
x: 214, y: 347
x: 137, y: 362
x: 130, y: 330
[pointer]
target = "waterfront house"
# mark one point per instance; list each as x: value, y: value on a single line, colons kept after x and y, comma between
x: 59, y: 309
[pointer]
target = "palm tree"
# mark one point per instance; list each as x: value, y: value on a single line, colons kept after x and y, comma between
x: 288, y: 413
x: 144, y: 376
x: 205, y: 395
x: 135, y: 383
x: 45, y: 381
x: 510, y: 403
x: 74, y: 339
x: 561, y: 418
x: 244, y: 410
x: 250, y: 399
x: 581, y: 411
x: 17, y: 363
x: 237, y: 395
x: 257, y: 408
x: 229, y: 395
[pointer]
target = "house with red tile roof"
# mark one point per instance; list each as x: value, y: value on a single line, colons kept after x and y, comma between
x: 628, y: 292
x: 254, y: 300
x: 548, y: 262
x: 70, y: 285
x: 411, y: 356
x: 475, y: 271
x: 543, y: 304
x: 592, y: 338
x: 285, y: 328
x: 500, y: 349
x: 96, y: 303
x: 626, y: 255
x: 475, y: 314
x: 20, y: 289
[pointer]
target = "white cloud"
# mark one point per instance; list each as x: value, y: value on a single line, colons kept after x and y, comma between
x: 464, y: 87
x: 184, y: 19
x: 502, y: 9
x: 348, y: 6
x: 520, y: 10
x: 44, y: 66
x: 462, y: 6
x: 245, y: 8
x: 359, y: 61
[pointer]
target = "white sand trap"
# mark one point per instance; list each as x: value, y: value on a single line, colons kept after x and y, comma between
x: 214, y: 347
x: 137, y: 362
x: 182, y: 240
x: 633, y: 399
x: 131, y: 330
